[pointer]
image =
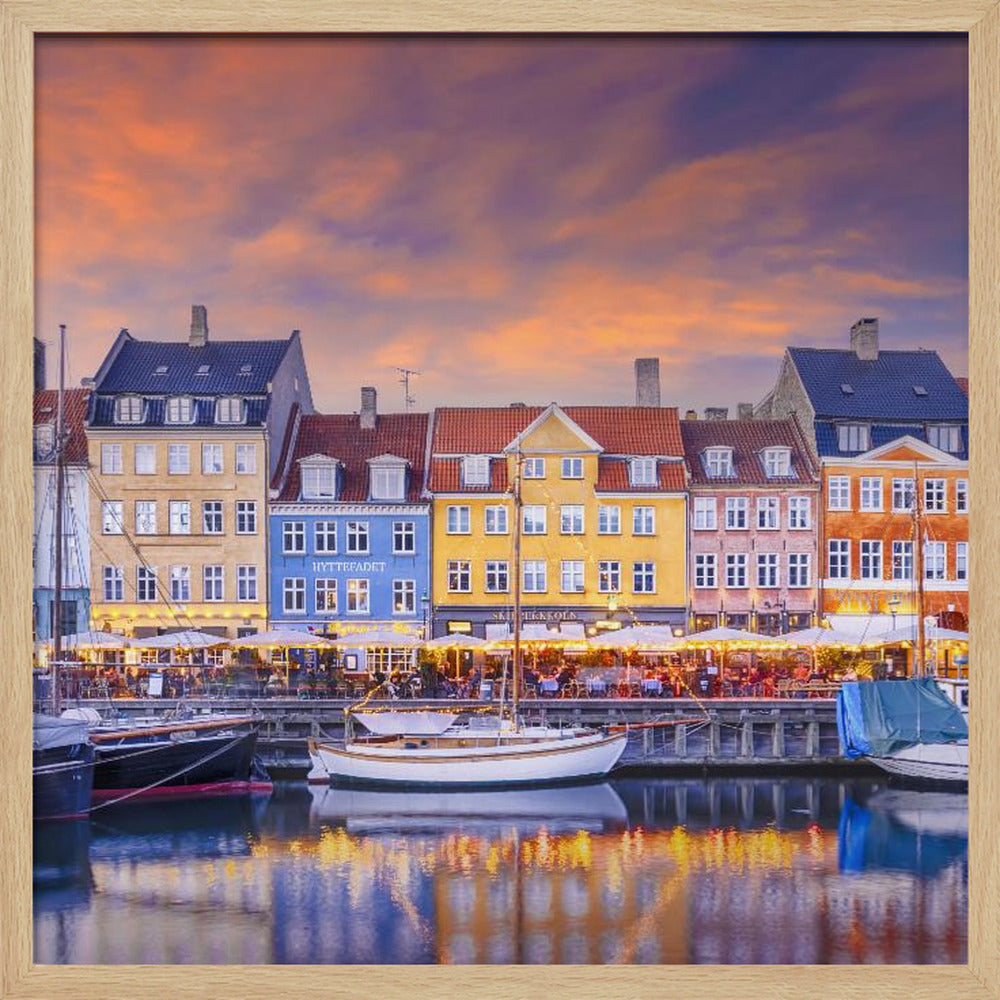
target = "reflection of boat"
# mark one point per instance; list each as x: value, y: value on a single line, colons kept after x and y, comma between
x: 62, y: 768
x: 945, y: 814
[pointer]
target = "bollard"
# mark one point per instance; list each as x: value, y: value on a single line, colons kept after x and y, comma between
x: 680, y: 741
x: 778, y: 739
x: 746, y: 738
x: 812, y: 739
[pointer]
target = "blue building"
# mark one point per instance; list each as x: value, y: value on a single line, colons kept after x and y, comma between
x: 349, y: 531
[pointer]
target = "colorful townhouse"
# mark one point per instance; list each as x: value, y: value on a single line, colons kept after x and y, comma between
x: 183, y: 438
x: 76, y: 518
x: 603, y: 539
x: 890, y: 429
x: 753, y: 513
x: 349, y: 528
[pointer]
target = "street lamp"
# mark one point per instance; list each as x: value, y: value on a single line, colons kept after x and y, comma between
x: 425, y: 608
x: 893, y: 603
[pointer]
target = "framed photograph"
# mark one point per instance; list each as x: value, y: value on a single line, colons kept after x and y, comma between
x: 354, y: 654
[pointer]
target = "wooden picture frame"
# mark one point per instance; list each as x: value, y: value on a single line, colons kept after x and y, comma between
x: 19, y: 21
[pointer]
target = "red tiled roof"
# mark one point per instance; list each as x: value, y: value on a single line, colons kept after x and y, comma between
x: 340, y: 436
x: 613, y: 477
x: 446, y: 477
x: 747, y: 438
x: 75, y: 403
x: 963, y: 384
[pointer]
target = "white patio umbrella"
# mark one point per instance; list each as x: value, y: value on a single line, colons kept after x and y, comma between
x: 457, y: 641
x: 378, y: 638
x: 184, y: 639
x: 908, y: 633
x: 653, y: 637
x: 281, y: 639
x: 93, y: 640
x: 818, y: 638
x: 726, y: 639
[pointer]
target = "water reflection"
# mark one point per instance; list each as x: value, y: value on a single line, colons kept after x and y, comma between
x: 668, y: 871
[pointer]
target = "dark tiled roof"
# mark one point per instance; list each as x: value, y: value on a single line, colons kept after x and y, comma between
x: 826, y: 437
x: 613, y: 477
x: 154, y: 413
x: 883, y: 389
x: 340, y: 436
x: 747, y: 438
x: 75, y: 403
x: 134, y: 367
x: 446, y: 477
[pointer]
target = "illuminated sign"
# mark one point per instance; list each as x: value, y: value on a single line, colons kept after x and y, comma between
x: 463, y: 628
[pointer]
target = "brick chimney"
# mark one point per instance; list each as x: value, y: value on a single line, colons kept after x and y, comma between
x: 716, y: 412
x: 199, y: 326
x: 39, y: 364
x: 691, y: 415
x: 647, y: 381
x: 864, y: 338
x: 368, y: 407
x: 744, y: 411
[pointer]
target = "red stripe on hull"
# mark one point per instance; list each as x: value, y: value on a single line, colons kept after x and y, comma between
x: 167, y: 791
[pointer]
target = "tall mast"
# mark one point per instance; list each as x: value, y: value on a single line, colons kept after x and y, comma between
x: 57, y: 622
x: 516, y: 668
x: 918, y: 569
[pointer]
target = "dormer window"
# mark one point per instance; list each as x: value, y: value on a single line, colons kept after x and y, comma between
x: 719, y: 463
x: 247, y: 370
x: 946, y: 437
x: 160, y: 370
x: 388, y: 478
x: 45, y: 440
x: 203, y: 370
x: 319, y: 480
x: 642, y: 471
x: 128, y: 410
x: 180, y: 410
x: 476, y: 470
x: 853, y: 437
x: 229, y: 410
x: 777, y: 462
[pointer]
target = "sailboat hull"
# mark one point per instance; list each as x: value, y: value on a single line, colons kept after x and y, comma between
x: 937, y: 762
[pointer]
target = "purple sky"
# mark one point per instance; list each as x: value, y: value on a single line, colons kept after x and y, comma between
x: 518, y: 219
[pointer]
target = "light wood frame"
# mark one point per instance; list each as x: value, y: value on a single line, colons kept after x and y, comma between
x: 19, y: 21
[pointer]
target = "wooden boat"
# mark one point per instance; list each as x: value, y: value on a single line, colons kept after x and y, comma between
x: 62, y: 768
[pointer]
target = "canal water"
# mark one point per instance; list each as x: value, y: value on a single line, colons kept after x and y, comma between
x: 724, y: 870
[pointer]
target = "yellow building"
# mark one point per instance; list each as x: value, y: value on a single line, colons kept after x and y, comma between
x: 603, y: 519
x: 182, y: 441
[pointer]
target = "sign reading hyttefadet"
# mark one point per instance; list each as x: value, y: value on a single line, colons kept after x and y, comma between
x: 348, y: 566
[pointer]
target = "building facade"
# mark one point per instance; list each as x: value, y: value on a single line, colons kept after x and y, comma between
x: 181, y: 441
x: 753, y: 516
x: 603, y: 540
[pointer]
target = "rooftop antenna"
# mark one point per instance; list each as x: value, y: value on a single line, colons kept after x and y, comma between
x: 404, y: 381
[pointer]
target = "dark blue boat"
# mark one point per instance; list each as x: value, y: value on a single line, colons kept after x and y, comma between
x: 62, y: 768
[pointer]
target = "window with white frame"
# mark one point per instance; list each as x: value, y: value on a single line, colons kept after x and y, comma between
x: 293, y: 536
x: 404, y: 537
x: 838, y: 558
x: 178, y: 459
x: 767, y: 569
x: 246, y: 459
x: 246, y: 583
x: 114, y: 583
x: 572, y: 468
x: 534, y: 576
x: 946, y: 437
x: 571, y: 576
x: 609, y: 576
x: 799, y: 569
x: 112, y: 517
x: 180, y: 583
x: 404, y: 597
x: 642, y: 472
x: 705, y: 514
x: 246, y: 517
x: 293, y: 595
x: 871, y: 559
x: 458, y: 522
x: 325, y: 537
x: 145, y: 517
x: 533, y: 519
x: 357, y: 537
x: 903, y: 495
x: 609, y: 519
x: 736, y: 513
x: 325, y: 593
x: 497, y: 576
x: 643, y: 520
x: 44, y: 439
x: 777, y: 462
x: 902, y: 560
x: 935, y: 496
x: 767, y: 514
x: 211, y: 459
x: 719, y: 463
x: 736, y: 570
x: 935, y: 561
x: 145, y: 583
x: 476, y: 470
x: 871, y: 493
x: 213, y: 582
x: 128, y: 410
x: 319, y: 481
x: 495, y: 520
x: 643, y: 578
x: 180, y: 517
x: 533, y: 468
x: 961, y: 496
x: 799, y: 513
x: 459, y: 576
x: 961, y: 560
x: 838, y: 493
x: 111, y: 460
x: 229, y: 410
x: 706, y: 571
x: 180, y: 410
x: 145, y: 459
x: 211, y: 517
x: 388, y: 480
x: 853, y: 437
x: 571, y: 519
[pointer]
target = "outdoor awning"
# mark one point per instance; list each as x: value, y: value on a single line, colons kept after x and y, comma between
x: 457, y: 641
x: 651, y: 637
x: 908, y: 633
x: 822, y: 638
x: 732, y: 637
x: 281, y: 639
x: 92, y: 640
x: 377, y: 639
x: 184, y: 639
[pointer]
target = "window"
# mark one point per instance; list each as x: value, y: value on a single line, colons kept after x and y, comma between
x: 935, y: 497
x: 609, y: 520
x: 903, y: 495
x: 839, y: 558
x: 767, y: 569
x: 180, y: 517
x: 178, y: 459
x: 128, y: 410
x: 211, y: 459
x: 180, y: 410
x: 145, y: 459
x: 180, y: 583
x: 45, y: 439
x: 935, y: 561
x: 609, y: 577
x: 643, y: 578
x: 458, y: 520
x: 325, y: 537
x: 114, y: 583
x: 203, y: 370
x: 736, y: 513
x: 767, y: 513
x: 404, y: 537
x: 293, y: 536
x: 387, y: 481
x: 476, y: 470
x: 357, y: 597
x: 571, y: 519
x: 961, y: 560
x: 534, y: 576
x: 871, y: 560
x: 357, y: 536
x: 319, y: 482
x: 642, y: 472
x: 705, y: 570
x: 871, y: 492
x: 112, y: 517
x: 719, y: 463
x: 246, y: 517
x: 705, y: 514
x: 145, y: 517
x: 211, y: 517
x: 293, y: 595
x: 246, y: 459
x: 326, y: 596
x: 902, y: 560
x: 459, y: 576
x: 643, y: 520
x: 962, y: 496
x: 533, y: 468
x: 404, y: 597
x: 111, y: 459
x: 497, y: 577
x: 852, y: 437
x: 777, y: 462
x: 229, y: 410
x: 838, y: 492
x: 572, y: 468
x: 947, y: 437
x: 246, y: 583
x: 798, y: 569
x: 571, y: 576
x: 799, y: 513
x: 496, y: 521
x: 145, y: 583
x: 736, y: 570
x: 533, y: 519
x: 213, y: 583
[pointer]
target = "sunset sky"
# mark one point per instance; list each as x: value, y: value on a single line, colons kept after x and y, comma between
x: 518, y: 219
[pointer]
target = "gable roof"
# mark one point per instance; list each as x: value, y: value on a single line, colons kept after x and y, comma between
x: 75, y: 403
x: 883, y: 389
x: 912, y: 445
x: 555, y: 411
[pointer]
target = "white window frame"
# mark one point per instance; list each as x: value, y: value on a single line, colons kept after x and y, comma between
x: 128, y: 410
x: 325, y: 537
x: 853, y: 437
x: 496, y: 520
x: 145, y: 584
x: 799, y: 570
x: 719, y: 463
x: 145, y: 517
x: 871, y: 562
x: 799, y: 513
x: 642, y: 471
x: 571, y: 519
x: 706, y: 571
x: 180, y: 584
x: 179, y: 517
x: 737, y: 509
x: 354, y: 533
x: 902, y: 560
x: 609, y: 519
x: 777, y: 463
x: 768, y: 513
x: 387, y: 481
x: 458, y: 574
x: 737, y: 574
x: 148, y: 451
x: 644, y: 521
x: 225, y: 407
x: 246, y: 458
x: 572, y: 467
x: 213, y: 459
x: 458, y: 519
x: 838, y: 488
x: 293, y: 537
x: 961, y: 496
x: 945, y: 437
x: 293, y: 595
x: 533, y: 468
x: 609, y: 576
x: 404, y: 538
x: 644, y: 573
x: 935, y: 561
x: 962, y: 561
x: 213, y: 583
x: 178, y: 459
x: 319, y: 481
x: 476, y: 470
x: 325, y: 596
x: 404, y: 597
x: 246, y: 584
x: 113, y: 579
x: 838, y: 558
x: 768, y: 570
x: 872, y: 494
x: 497, y: 576
x: 935, y: 496
x: 112, y: 517
x: 207, y: 514
x: 359, y: 594
x: 111, y: 460
x: 571, y: 572
x: 535, y: 576
x: 179, y: 410
x: 904, y: 494
x: 246, y: 517
x: 534, y: 519
x: 706, y: 514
